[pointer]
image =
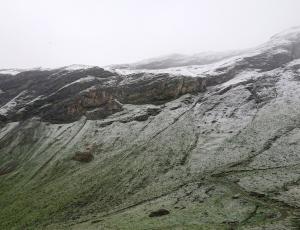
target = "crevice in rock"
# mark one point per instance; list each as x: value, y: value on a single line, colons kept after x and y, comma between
x: 252, y: 214
x: 186, y: 154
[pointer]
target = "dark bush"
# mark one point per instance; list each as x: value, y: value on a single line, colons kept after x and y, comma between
x: 83, y: 157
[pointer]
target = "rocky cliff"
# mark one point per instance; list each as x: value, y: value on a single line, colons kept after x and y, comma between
x: 212, y: 146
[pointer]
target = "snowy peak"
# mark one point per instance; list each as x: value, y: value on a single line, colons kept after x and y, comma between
x: 77, y: 67
x: 178, y: 60
x: 73, y: 67
x: 289, y: 34
x: 10, y: 71
x: 279, y: 50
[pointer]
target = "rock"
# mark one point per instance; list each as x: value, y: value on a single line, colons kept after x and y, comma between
x: 96, y: 97
x: 83, y: 157
x: 236, y: 196
x: 160, y: 212
x: 153, y: 111
x: 256, y: 194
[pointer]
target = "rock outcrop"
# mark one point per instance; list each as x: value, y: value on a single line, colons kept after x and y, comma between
x: 63, y: 96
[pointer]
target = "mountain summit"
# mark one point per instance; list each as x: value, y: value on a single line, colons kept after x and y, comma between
x: 212, y: 143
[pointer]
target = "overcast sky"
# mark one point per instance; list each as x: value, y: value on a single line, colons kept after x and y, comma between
x: 52, y: 33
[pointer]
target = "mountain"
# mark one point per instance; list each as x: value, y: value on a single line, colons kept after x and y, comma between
x: 176, y: 60
x: 213, y: 146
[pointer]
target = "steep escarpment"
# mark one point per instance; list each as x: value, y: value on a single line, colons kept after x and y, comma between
x: 100, y: 150
x: 64, y: 96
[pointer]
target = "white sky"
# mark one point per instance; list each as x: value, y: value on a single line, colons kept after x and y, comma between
x: 52, y: 33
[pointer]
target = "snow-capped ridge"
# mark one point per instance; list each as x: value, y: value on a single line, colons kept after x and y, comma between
x: 290, y: 33
x: 10, y: 71
x: 74, y: 67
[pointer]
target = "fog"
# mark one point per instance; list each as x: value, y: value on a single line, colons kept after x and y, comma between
x: 53, y: 33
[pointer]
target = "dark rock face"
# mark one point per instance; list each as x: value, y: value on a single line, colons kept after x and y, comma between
x: 61, y: 96
x: 157, y: 89
x: 46, y: 94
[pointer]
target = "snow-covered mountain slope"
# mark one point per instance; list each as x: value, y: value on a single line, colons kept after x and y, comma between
x: 87, y: 148
x: 279, y: 48
x: 177, y: 60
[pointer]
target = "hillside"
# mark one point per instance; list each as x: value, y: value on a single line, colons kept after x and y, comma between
x: 214, y: 146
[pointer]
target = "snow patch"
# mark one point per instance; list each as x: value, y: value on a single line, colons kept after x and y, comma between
x: 7, y: 128
x: 34, y: 100
x: 85, y: 79
x: 294, y: 63
x: 241, y: 77
x: 11, y: 104
x: 192, y: 70
x: 77, y: 67
x: 9, y: 71
x: 291, y: 33
x: 80, y: 80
